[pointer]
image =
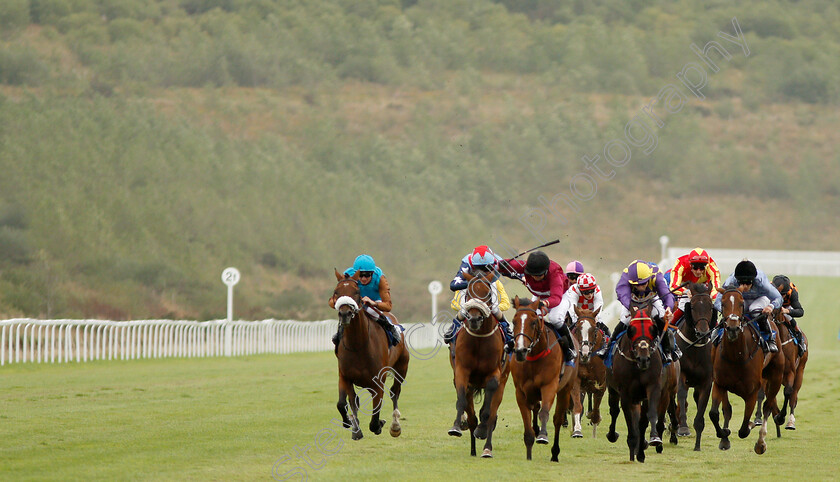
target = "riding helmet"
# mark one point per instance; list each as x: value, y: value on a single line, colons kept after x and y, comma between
x: 575, y: 267
x: 745, y: 271
x: 364, y: 262
x: 537, y: 263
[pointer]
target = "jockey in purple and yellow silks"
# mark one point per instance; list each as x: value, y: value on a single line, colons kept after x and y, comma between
x: 638, y: 281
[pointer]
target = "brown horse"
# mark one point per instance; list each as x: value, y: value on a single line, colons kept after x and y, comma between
x: 479, y: 364
x: 365, y: 360
x: 539, y: 376
x: 740, y: 368
x: 793, y: 374
x: 694, y: 339
x: 591, y: 371
x: 635, y: 376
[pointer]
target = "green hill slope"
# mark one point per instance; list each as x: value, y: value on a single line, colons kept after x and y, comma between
x: 145, y: 146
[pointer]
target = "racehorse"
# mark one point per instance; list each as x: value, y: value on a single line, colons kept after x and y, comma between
x: 694, y: 340
x: 737, y: 369
x: 635, y: 376
x: 365, y: 360
x: 591, y: 371
x: 539, y: 376
x: 479, y: 364
x: 793, y: 374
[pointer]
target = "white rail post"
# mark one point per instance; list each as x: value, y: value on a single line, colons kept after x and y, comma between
x: 230, y: 277
x: 434, y: 289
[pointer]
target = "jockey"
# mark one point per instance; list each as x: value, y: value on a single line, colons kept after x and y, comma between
x: 375, y: 293
x: 760, y: 296
x: 585, y: 294
x: 695, y: 267
x: 573, y: 271
x: 791, y: 307
x: 545, y: 280
x: 481, y: 260
x: 638, y: 281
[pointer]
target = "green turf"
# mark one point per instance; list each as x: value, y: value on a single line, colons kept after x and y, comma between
x: 237, y: 418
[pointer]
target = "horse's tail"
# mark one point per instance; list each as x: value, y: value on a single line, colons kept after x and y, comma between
x: 478, y: 396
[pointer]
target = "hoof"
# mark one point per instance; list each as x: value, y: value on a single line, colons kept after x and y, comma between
x: 487, y: 454
x: 358, y: 435
x: 395, y: 431
x: 790, y: 426
x: 612, y: 437
x: 454, y: 431
x: 659, y: 448
x: 655, y: 441
x: 464, y: 424
x: 577, y: 434
x: 760, y: 448
x: 758, y: 421
x: 481, y: 432
x: 684, y: 432
x: 377, y: 430
x: 542, y: 439
x: 744, y: 432
x: 724, y: 444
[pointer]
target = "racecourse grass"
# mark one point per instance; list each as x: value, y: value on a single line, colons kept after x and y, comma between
x: 241, y: 418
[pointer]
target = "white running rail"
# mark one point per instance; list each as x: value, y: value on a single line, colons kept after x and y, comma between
x: 24, y: 340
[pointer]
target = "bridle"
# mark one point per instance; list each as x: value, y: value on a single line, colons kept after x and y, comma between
x: 702, y: 339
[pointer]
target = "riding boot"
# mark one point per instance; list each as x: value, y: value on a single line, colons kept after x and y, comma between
x: 603, y: 328
x: 508, y: 333
x: 794, y: 331
x: 675, y: 349
x: 619, y: 329
x: 337, y: 337
x: 389, y: 328
x: 450, y: 335
x: 569, y: 352
x: 767, y: 335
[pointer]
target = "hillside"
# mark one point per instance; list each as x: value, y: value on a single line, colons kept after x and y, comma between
x: 146, y: 146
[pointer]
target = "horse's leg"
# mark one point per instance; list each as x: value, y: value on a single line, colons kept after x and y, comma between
x: 718, y: 395
x: 484, y: 414
x: 558, y: 425
x: 654, y: 393
x: 672, y: 418
x: 354, y: 417
x: 701, y: 399
x: 631, y: 418
x: 577, y: 408
x: 546, y: 401
x: 595, y: 419
x: 472, y: 421
x: 682, y: 407
x: 493, y: 402
x: 376, y: 423
x: 759, y: 404
x: 794, y: 396
x: 535, y: 417
x: 342, y: 402
x: 460, y: 380
x: 613, y: 401
x: 771, y: 406
x: 749, y: 405
x: 525, y: 411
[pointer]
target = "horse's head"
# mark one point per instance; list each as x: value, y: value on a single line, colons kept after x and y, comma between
x: 702, y: 309
x: 642, y: 335
x: 588, y: 334
x: 732, y: 312
x: 479, y: 298
x: 528, y: 327
x: 348, y: 299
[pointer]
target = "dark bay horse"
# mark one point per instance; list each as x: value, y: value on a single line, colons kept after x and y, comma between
x: 635, y: 376
x: 591, y: 370
x: 479, y: 364
x: 694, y: 339
x: 793, y: 374
x: 740, y: 367
x: 364, y: 360
x: 539, y: 376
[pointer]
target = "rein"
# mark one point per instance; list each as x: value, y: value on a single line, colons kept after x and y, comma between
x: 534, y: 341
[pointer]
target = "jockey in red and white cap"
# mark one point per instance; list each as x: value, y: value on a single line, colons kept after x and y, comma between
x: 695, y: 267
x: 585, y: 294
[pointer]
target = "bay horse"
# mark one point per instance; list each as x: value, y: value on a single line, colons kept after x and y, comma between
x: 540, y: 376
x: 592, y: 373
x: 365, y: 360
x: 479, y: 364
x: 793, y: 374
x: 738, y: 370
x: 694, y: 339
x: 635, y: 376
